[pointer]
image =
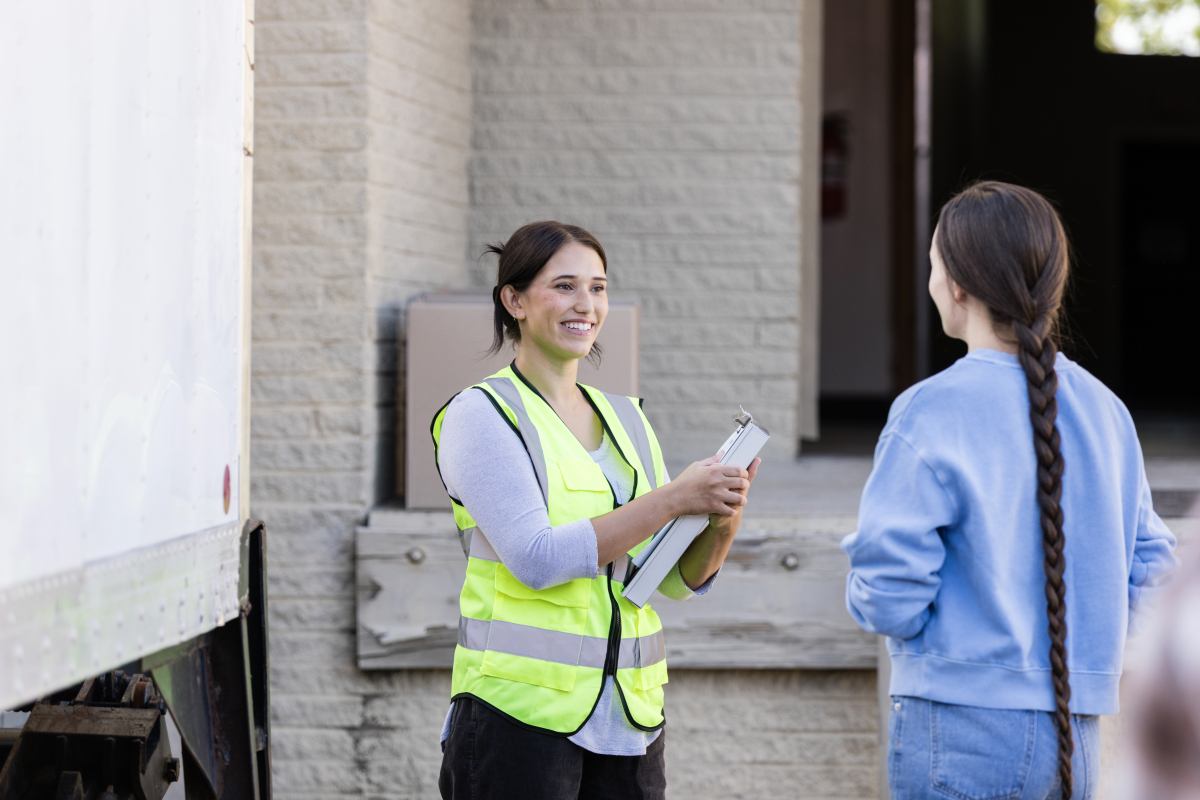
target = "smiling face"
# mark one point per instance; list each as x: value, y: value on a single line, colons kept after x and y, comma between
x: 562, y: 309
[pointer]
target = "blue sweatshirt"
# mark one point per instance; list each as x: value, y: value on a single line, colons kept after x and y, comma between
x: 947, y: 560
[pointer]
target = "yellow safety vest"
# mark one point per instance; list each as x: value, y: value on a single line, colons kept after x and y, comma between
x: 540, y: 656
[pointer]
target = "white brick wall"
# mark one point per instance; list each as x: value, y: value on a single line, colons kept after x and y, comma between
x: 668, y: 127
x: 362, y: 126
x: 732, y: 734
x: 671, y: 130
x: 772, y: 733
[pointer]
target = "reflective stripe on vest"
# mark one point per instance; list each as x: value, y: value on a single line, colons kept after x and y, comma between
x: 621, y: 568
x: 479, y: 546
x: 529, y: 432
x: 561, y: 648
x: 631, y: 421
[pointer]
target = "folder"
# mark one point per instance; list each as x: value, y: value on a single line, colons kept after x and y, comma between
x: 656, y: 559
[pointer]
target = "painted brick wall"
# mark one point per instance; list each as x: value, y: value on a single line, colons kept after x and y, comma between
x: 419, y: 87
x: 671, y: 130
x: 362, y: 127
x: 732, y: 734
x: 772, y: 733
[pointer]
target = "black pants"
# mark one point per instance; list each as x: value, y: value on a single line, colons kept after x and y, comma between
x: 489, y: 758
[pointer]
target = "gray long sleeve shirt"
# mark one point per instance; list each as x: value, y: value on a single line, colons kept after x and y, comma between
x: 485, y: 466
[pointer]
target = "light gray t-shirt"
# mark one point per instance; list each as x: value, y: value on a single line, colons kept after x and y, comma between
x: 485, y: 466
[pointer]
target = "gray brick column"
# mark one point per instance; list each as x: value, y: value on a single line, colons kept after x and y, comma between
x: 362, y: 128
x: 672, y: 131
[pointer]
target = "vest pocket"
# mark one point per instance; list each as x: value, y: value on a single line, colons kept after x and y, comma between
x: 652, y: 676
x: 529, y: 670
x: 572, y: 594
x: 582, y: 476
x: 535, y: 637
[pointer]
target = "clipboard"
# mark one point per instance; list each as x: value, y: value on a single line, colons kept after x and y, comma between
x: 651, y: 565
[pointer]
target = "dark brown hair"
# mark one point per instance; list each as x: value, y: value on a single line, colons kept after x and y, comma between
x: 521, y: 259
x: 1006, y: 245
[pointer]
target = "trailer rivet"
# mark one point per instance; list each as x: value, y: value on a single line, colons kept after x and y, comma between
x: 791, y: 561
x: 416, y: 555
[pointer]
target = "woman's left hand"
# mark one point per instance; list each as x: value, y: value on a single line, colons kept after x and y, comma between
x: 728, y: 526
x: 707, y: 553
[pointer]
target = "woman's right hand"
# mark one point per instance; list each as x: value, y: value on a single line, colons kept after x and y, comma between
x: 706, y: 487
x: 709, y: 487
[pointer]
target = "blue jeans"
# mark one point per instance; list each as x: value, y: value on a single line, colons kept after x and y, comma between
x: 952, y: 752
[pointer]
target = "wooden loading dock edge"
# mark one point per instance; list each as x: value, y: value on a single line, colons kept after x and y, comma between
x: 777, y: 604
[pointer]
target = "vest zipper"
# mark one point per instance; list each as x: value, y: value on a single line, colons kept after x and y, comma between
x: 614, y: 631
x: 614, y: 628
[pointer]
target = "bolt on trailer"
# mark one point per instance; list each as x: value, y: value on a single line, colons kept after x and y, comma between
x: 133, y: 640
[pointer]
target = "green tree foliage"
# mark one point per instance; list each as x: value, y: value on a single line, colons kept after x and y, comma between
x: 1148, y: 27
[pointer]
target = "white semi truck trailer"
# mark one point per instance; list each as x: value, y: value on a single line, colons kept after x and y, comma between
x: 131, y: 577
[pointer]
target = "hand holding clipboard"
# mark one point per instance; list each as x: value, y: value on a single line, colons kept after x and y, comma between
x: 656, y: 559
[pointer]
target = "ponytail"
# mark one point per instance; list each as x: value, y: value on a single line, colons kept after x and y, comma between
x: 503, y: 323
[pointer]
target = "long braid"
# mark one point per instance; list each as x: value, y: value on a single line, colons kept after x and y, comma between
x: 1005, y: 245
x: 1037, y: 355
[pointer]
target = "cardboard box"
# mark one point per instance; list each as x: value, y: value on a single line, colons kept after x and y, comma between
x: 446, y: 351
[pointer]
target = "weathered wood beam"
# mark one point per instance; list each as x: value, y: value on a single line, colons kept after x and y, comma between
x: 778, y: 602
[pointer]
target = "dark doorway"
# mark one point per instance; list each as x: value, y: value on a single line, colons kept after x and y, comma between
x: 1018, y: 91
x: 868, y: 329
x: 1021, y: 94
x: 1160, y: 276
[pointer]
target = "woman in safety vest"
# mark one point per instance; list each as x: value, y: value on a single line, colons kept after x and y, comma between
x: 557, y: 685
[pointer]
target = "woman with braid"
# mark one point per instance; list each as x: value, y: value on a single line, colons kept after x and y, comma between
x: 1006, y: 534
